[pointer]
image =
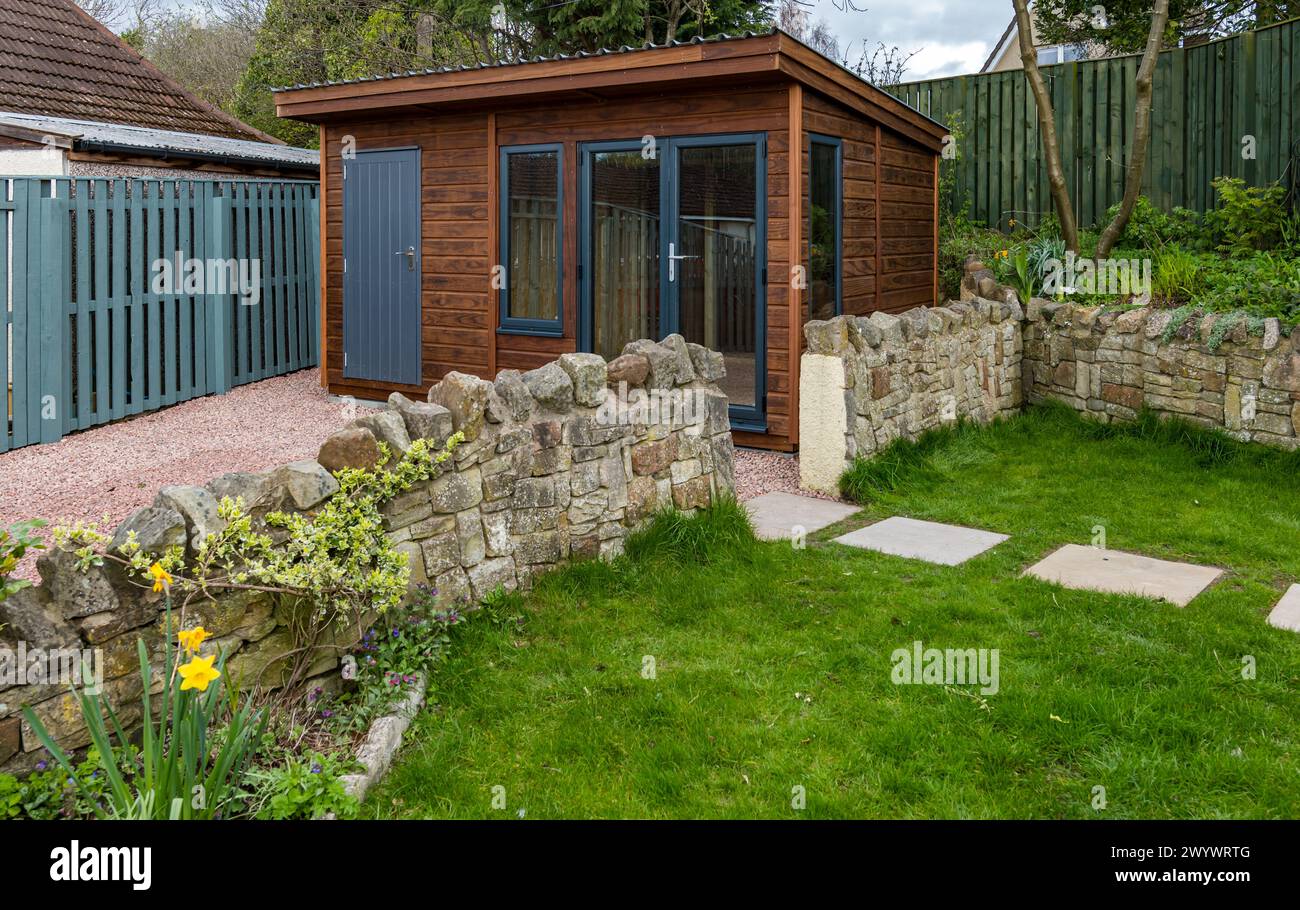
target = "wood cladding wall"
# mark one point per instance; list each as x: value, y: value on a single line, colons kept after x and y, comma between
x: 889, y: 249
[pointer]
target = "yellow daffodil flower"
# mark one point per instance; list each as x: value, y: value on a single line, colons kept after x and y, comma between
x: 191, y: 639
x: 198, y: 673
x: 162, y: 579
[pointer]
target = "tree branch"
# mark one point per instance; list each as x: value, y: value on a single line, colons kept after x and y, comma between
x: 1137, y: 152
x: 1047, y: 124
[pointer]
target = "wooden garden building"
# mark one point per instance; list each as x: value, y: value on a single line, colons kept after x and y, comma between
x: 490, y: 218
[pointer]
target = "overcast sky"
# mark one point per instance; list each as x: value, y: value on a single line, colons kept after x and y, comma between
x: 949, y: 36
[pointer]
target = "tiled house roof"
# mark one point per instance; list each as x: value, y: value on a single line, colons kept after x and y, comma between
x: 56, y: 61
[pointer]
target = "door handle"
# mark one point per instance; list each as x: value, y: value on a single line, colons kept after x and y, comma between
x: 409, y: 253
x: 673, y: 259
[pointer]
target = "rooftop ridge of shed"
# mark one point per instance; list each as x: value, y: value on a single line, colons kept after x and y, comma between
x: 538, y: 58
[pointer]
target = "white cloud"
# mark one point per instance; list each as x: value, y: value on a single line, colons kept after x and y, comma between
x: 940, y: 59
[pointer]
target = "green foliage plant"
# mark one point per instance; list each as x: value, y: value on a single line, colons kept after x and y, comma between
x: 191, y: 756
x: 15, y: 541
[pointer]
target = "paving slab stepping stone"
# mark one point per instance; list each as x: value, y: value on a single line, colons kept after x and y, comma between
x: 1286, y: 615
x: 947, y: 545
x: 775, y: 514
x: 1095, y: 569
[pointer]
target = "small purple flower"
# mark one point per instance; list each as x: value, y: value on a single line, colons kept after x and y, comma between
x: 315, y: 769
x: 42, y: 765
x: 327, y: 714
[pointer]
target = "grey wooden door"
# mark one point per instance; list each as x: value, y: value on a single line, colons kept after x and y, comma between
x: 381, y: 266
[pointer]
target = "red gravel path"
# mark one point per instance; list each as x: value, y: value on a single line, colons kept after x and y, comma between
x: 759, y: 472
x: 113, y: 470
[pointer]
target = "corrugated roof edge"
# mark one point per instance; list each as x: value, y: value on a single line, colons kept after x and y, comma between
x: 101, y: 135
x: 604, y: 51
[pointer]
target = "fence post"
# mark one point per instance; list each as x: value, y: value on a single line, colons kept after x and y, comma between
x: 313, y: 260
x: 217, y: 331
x: 52, y: 299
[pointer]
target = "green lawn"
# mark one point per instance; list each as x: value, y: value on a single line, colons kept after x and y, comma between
x: 773, y: 664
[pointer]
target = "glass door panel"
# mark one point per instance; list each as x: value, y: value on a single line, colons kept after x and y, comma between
x: 624, y: 256
x: 717, y: 258
x: 675, y: 242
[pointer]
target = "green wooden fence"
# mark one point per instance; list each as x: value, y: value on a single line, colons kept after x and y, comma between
x: 1208, y: 100
x: 91, y: 330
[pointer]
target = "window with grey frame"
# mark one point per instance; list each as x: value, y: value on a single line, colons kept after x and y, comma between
x: 532, y: 239
x: 825, y: 227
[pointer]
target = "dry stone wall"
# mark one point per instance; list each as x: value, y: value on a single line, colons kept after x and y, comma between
x: 558, y: 463
x: 1113, y: 363
x: 867, y: 381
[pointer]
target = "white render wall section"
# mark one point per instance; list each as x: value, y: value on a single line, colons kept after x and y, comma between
x: 36, y: 162
x: 823, y: 423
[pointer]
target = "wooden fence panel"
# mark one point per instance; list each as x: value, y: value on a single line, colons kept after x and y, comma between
x: 1227, y: 108
x: 90, y: 330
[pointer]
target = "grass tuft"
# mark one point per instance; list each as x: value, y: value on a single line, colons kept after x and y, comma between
x: 902, y: 463
x: 1210, y: 447
x: 722, y: 529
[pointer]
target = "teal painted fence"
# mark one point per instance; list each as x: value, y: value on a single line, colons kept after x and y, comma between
x: 1208, y: 99
x: 90, y: 329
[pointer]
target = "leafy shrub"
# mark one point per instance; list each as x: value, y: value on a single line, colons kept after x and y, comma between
x: 1149, y: 228
x: 1248, y: 218
x: 327, y: 568
x: 301, y: 787
x: 15, y: 541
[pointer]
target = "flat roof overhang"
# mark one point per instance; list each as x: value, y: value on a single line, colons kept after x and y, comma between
x: 772, y: 58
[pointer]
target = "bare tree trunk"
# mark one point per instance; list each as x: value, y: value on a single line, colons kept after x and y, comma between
x: 1137, y: 153
x: 675, y: 13
x: 1047, y: 125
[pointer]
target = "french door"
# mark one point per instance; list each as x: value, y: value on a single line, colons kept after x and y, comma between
x: 673, y: 239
